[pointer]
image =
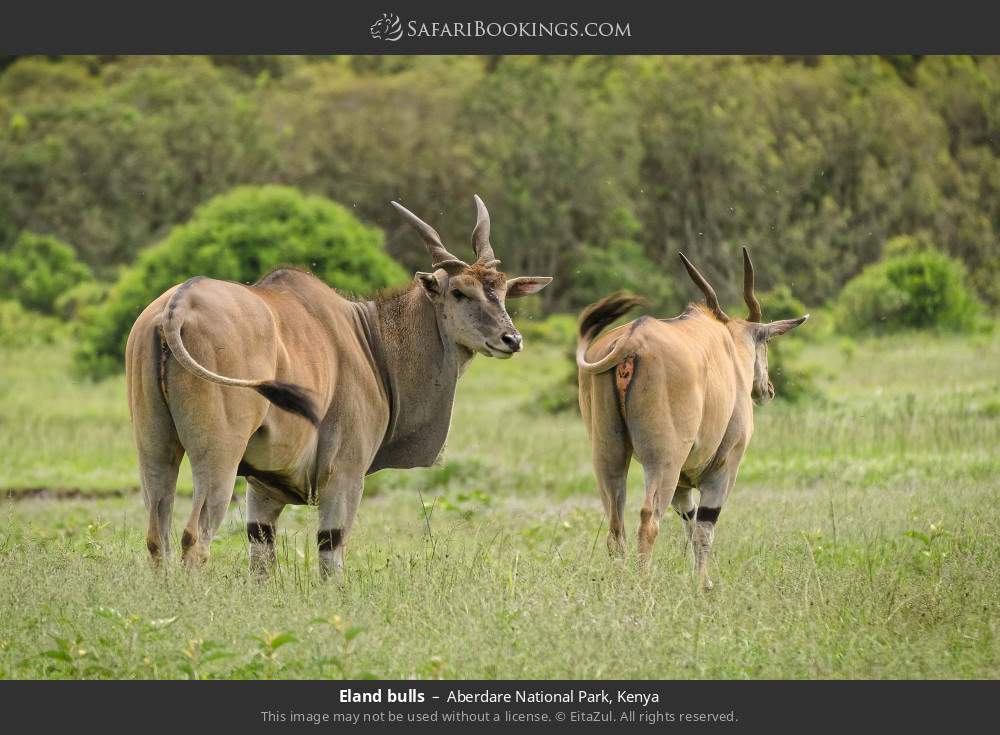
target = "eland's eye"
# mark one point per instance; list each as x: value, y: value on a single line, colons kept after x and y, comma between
x: 458, y: 294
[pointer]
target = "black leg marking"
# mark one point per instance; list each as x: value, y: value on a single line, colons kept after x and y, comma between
x: 187, y: 540
x: 330, y: 539
x: 708, y: 515
x: 687, y: 515
x: 262, y: 533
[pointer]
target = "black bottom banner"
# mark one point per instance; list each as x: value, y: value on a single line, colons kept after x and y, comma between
x: 245, y: 707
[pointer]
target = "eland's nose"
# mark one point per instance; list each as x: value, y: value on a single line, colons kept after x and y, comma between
x: 513, y: 341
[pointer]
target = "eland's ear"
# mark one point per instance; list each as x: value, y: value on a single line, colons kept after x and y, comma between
x: 430, y: 283
x: 517, y: 287
x: 778, y: 328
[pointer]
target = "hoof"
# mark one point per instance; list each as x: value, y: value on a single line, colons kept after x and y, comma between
x: 616, y: 549
x: 195, y: 557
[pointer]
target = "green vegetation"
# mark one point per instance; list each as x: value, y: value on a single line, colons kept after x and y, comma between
x: 914, y: 290
x: 812, y: 162
x: 38, y: 269
x: 861, y: 541
x: 240, y: 236
x: 20, y: 327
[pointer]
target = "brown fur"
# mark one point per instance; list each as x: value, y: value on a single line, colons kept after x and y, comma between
x: 689, y: 414
x: 375, y: 382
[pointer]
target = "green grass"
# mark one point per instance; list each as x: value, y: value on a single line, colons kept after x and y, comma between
x: 863, y: 540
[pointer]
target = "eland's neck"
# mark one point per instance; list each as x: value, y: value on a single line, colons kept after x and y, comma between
x: 422, y: 370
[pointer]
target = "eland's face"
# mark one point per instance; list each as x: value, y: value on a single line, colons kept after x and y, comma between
x: 471, y: 299
x: 474, y: 313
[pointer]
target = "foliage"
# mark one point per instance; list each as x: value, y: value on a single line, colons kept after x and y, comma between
x: 780, y: 303
x: 22, y: 328
x: 621, y: 264
x: 38, y: 269
x: 815, y: 163
x: 132, y: 153
x: 792, y: 382
x: 77, y: 301
x: 239, y: 236
x: 557, y: 329
x: 918, y: 289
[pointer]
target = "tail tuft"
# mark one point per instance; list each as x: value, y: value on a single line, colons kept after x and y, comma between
x: 599, y: 315
x: 290, y: 398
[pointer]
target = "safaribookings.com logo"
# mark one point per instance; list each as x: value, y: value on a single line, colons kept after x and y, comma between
x: 387, y: 28
x: 390, y: 28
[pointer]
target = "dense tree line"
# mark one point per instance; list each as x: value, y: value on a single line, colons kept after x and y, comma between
x: 596, y: 169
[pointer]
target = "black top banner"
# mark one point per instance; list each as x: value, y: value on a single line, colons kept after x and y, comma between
x: 449, y: 27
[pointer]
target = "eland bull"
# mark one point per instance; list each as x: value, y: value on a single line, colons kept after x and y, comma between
x: 677, y: 394
x: 303, y: 391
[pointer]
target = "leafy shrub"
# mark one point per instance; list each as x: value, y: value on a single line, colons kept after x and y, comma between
x: 22, y: 328
x: 73, y: 303
x: 780, y: 303
x: 621, y: 263
x: 33, y: 78
x: 131, y: 151
x: 239, y: 236
x: 557, y: 329
x: 791, y: 383
x: 560, y: 395
x: 907, y: 245
x: 38, y: 269
x: 917, y: 289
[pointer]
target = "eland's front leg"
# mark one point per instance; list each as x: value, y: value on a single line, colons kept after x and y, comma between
x: 263, y: 510
x: 714, y: 491
x: 338, y: 505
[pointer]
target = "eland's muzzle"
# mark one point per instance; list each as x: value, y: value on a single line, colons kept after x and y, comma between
x: 513, y: 341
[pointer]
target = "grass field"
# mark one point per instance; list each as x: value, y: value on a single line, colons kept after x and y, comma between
x: 863, y: 540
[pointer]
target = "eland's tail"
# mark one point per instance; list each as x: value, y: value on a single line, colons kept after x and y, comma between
x: 594, y: 319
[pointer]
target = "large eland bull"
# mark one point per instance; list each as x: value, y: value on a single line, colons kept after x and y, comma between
x: 305, y: 392
x: 678, y: 394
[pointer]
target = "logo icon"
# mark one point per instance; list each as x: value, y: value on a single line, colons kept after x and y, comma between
x: 387, y: 28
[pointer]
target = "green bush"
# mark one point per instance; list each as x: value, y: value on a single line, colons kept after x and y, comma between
x: 917, y: 289
x: 22, y: 328
x: 557, y: 329
x: 621, y: 264
x: 780, y: 303
x: 791, y: 383
x: 72, y: 304
x: 38, y: 269
x: 240, y: 236
x: 131, y: 151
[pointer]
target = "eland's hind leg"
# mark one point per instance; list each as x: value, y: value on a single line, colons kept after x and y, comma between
x: 611, y: 460
x: 159, y: 484
x: 662, y: 461
x: 611, y: 451
x: 158, y: 447
x: 661, y: 481
x: 214, y: 478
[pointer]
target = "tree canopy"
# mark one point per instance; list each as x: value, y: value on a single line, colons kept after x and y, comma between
x: 586, y: 163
